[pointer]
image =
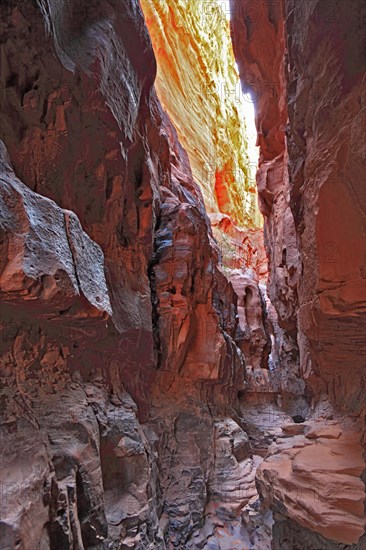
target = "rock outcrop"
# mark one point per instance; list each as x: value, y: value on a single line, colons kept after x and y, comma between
x: 309, y: 184
x: 253, y: 332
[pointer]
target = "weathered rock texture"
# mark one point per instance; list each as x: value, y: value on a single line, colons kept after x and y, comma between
x: 146, y: 401
x: 310, y: 184
x: 198, y: 85
x: 118, y: 328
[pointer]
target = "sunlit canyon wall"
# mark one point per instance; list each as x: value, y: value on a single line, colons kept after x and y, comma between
x: 147, y: 402
x: 198, y: 84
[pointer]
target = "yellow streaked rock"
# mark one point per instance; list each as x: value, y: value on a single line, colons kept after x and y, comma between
x: 198, y: 86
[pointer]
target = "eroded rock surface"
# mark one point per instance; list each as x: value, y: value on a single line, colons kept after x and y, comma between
x: 147, y: 401
x: 118, y: 328
x: 198, y: 85
x: 309, y: 182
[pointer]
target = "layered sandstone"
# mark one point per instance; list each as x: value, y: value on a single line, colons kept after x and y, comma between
x: 147, y: 401
x: 198, y: 85
x: 118, y: 328
x: 309, y: 184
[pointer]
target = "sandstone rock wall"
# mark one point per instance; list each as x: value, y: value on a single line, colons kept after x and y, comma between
x: 117, y: 326
x: 198, y: 85
x: 146, y: 400
x: 310, y: 184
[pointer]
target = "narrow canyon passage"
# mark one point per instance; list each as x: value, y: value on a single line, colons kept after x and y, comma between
x: 183, y: 294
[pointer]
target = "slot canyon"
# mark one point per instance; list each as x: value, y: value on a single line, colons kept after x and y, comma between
x: 183, y: 275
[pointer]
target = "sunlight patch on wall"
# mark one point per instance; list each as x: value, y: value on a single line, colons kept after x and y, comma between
x: 198, y: 85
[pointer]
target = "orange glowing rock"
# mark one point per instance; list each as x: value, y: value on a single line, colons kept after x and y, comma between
x: 199, y: 87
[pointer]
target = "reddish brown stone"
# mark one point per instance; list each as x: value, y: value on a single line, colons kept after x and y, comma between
x: 141, y: 407
x: 310, y: 190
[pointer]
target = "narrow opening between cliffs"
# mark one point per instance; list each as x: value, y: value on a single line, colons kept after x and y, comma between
x: 198, y: 85
x: 153, y: 396
x: 213, y: 112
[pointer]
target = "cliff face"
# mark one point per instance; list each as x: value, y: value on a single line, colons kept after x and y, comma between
x: 147, y: 402
x: 110, y: 289
x: 312, y: 197
x: 120, y: 371
x: 198, y: 85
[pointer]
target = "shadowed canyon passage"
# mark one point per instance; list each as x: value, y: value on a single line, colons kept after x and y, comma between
x: 173, y: 375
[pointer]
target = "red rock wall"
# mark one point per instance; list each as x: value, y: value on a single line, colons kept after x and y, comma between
x: 310, y: 184
x: 110, y: 289
x: 128, y: 416
x: 253, y: 26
